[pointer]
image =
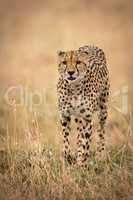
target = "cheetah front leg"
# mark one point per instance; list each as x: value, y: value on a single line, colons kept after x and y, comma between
x: 80, y: 142
x: 65, y: 123
x: 84, y: 140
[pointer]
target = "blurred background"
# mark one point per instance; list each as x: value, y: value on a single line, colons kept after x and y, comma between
x: 31, y: 33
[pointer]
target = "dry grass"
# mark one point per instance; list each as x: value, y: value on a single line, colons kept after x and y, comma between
x: 32, y: 169
x: 42, y: 176
x: 31, y: 33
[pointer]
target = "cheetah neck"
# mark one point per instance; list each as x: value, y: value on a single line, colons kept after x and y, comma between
x: 77, y: 86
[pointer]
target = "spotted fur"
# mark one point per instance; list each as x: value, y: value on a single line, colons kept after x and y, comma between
x: 83, y: 88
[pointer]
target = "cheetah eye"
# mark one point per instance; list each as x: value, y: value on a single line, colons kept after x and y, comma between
x: 64, y: 62
x: 78, y: 62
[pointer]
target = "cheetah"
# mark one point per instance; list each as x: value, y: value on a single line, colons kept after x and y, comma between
x: 82, y: 89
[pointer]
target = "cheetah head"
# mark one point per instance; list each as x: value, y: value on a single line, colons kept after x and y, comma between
x: 72, y: 65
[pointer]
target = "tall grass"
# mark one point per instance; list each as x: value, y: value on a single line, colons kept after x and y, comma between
x: 32, y: 169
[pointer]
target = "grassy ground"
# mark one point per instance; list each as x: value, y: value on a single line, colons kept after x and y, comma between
x: 41, y: 175
x: 31, y: 166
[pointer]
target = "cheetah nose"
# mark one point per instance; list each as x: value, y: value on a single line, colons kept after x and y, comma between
x: 70, y: 73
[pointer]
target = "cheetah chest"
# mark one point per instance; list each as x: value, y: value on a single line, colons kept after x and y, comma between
x: 77, y: 105
x: 76, y: 101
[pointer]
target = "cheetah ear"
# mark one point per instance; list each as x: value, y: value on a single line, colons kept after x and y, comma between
x: 61, y: 53
x: 84, y: 52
